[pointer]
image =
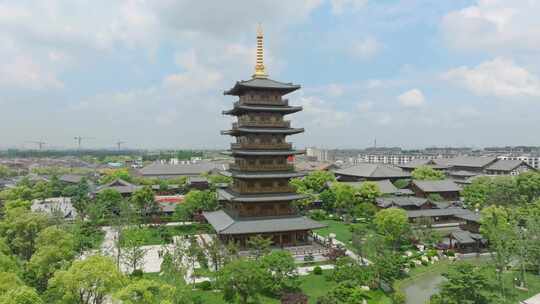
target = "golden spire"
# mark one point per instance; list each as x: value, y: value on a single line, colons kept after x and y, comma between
x: 260, y: 70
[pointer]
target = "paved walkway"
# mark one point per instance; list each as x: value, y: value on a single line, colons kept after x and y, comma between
x: 153, y: 254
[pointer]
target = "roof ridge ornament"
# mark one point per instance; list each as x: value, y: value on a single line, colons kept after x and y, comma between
x: 260, y: 69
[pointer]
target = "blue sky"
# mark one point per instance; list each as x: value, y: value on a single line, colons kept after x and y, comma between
x: 411, y: 73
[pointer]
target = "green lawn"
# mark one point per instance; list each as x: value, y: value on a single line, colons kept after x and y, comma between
x: 312, y: 285
x: 163, y: 234
x: 340, y: 229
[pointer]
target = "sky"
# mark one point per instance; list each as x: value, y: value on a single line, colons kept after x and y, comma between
x: 411, y: 73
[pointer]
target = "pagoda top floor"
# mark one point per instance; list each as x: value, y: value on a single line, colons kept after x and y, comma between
x: 261, y: 85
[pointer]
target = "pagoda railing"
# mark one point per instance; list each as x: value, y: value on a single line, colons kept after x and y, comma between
x: 245, y: 100
x: 262, y: 146
x: 242, y: 122
x: 255, y: 168
x: 261, y: 189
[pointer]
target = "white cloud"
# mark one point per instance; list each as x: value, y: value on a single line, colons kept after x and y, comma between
x: 365, y: 48
x: 364, y: 106
x: 494, y: 26
x: 341, y: 6
x: 412, y: 98
x: 197, y: 76
x: 318, y: 113
x: 23, y: 72
x: 499, y: 77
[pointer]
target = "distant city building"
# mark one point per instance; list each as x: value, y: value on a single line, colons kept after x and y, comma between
x: 321, y: 155
x: 531, y: 160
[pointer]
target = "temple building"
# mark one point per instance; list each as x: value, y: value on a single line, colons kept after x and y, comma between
x: 260, y: 199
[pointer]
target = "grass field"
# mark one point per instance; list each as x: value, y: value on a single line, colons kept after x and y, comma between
x: 312, y: 285
x: 340, y: 229
x: 163, y: 234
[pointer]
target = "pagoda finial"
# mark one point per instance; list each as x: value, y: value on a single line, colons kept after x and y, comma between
x: 260, y: 70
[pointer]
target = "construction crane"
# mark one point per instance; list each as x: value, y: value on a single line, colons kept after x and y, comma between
x: 119, y: 144
x: 40, y: 144
x: 79, y: 140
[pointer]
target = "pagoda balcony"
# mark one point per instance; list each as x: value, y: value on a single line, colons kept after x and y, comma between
x: 260, y: 189
x: 261, y: 146
x: 261, y: 167
x: 261, y: 124
x: 247, y: 100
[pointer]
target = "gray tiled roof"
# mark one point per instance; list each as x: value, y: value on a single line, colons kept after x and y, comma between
x: 385, y: 186
x: 471, y: 161
x: 462, y: 237
x: 367, y: 170
x: 119, y: 185
x: 226, y: 194
x: 71, y: 178
x: 472, y: 217
x: 401, y: 201
x: 158, y: 169
x: 225, y: 224
x: 261, y: 83
x: 437, y: 186
x: 415, y: 163
x: 265, y: 152
x: 264, y: 130
x: 238, y: 109
x: 269, y: 174
x: 505, y: 165
x: 462, y: 173
x: 437, y: 212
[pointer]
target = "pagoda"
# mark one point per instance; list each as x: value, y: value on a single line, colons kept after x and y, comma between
x: 260, y: 199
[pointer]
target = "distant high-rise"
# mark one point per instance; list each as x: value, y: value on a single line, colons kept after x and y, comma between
x: 260, y: 200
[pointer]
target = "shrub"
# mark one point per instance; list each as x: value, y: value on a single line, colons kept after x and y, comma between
x: 450, y: 253
x: 317, y: 270
x: 137, y: 273
x: 425, y: 263
x: 398, y: 298
x: 205, y: 285
x: 318, y: 214
x: 431, y: 253
x: 309, y: 257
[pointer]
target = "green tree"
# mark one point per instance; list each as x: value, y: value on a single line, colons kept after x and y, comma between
x: 427, y: 173
x: 528, y: 184
x: 109, y: 200
x: 465, y: 284
x: 143, y: 199
x: 346, y: 292
x: 280, y: 270
x: 9, y: 281
x: 476, y: 194
x: 368, y: 192
x: 79, y: 197
x: 146, y: 292
x: 41, y: 190
x: 241, y: 281
x: 316, y: 181
x: 113, y: 174
x: 328, y: 199
x: 346, y: 197
x: 132, y: 253
x: 20, y: 229
x: 196, y: 201
x: 86, y: 282
x: 21, y: 295
x: 393, y: 225
x: 259, y: 245
x: 497, y: 227
x: 6, y: 172
x: 54, y: 251
x: 9, y: 263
